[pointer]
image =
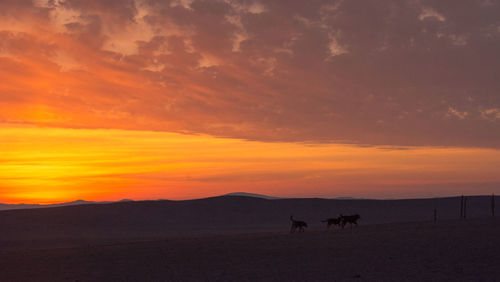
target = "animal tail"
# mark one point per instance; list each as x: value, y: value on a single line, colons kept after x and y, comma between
x: 291, y: 217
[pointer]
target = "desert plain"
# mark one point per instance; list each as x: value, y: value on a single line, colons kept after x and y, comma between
x: 248, y: 239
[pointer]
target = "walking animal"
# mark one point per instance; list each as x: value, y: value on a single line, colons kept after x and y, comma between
x: 351, y: 219
x: 297, y: 224
x: 333, y: 221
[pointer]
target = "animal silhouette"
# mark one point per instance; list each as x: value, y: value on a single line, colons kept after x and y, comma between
x: 333, y: 221
x: 351, y: 219
x: 297, y: 224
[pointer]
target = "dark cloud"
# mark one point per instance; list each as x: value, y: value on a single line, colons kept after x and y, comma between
x: 389, y: 72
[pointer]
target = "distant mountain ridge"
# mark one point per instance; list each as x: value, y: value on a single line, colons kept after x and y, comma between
x: 83, y: 202
x: 37, y: 206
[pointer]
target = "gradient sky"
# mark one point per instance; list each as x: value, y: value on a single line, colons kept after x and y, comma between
x: 146, y: 99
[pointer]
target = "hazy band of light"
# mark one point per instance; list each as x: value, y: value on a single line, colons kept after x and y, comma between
x: 46, y: 165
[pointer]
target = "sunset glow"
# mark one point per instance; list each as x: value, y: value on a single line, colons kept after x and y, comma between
x: 105, y: 100
x: 46, y: 165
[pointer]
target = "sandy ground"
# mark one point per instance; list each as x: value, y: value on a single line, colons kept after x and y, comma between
x: 450, y: 250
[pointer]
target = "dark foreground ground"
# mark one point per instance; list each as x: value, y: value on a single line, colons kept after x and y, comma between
x: 451, y: 250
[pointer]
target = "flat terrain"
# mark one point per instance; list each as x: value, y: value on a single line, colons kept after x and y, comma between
x: 56, y: 250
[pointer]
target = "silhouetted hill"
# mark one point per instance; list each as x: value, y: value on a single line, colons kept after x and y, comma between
x: 245, y: 194
x: 83, y: 202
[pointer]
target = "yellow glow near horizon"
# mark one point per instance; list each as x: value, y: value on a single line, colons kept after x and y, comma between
x: 46, y: 165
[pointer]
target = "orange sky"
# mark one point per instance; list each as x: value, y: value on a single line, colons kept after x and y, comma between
x: 46, y: 165
x: 103, y: 100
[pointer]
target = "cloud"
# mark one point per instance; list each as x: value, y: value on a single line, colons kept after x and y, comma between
x: 491, y: 114
x: 429, y: 13
x: 380, y: 73
x: 452, y: 112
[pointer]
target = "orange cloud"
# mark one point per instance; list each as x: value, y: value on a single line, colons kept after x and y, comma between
x: 255, y: 70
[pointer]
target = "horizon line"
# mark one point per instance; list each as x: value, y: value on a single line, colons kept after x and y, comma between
x: 249, y: 195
